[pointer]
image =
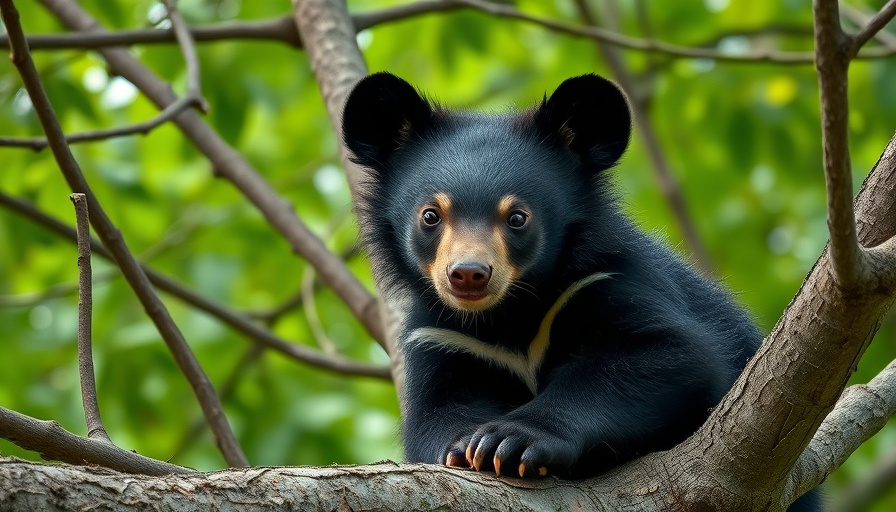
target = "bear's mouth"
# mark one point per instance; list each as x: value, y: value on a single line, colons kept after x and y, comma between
x: 468, y: 296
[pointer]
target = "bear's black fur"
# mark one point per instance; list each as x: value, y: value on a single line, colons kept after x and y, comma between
x: 544, y: 333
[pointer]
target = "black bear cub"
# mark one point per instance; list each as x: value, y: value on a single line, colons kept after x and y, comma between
x: 544, y: 333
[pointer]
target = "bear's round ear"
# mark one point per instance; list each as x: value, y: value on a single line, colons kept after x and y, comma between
x: 590, y: 115
x: 382, y: 113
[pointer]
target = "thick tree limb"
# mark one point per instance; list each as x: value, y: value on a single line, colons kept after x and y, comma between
x: 386, y: 486
x: 228, y: 163
x: 112, y: 239
x: 54, y: 442
x: 337, y: 64
x: 755, y: 436
x: 236, y: 321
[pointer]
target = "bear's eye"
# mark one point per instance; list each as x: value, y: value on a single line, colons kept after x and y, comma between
x: 517, y: 220
x: 430, y: 217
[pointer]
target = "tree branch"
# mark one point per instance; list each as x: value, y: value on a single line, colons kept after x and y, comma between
x: 168, y: 113
x: 338, y: 64
x: 653, y: 45
x: 85, y: 308
x: 385, y: 486
x: 874, y: 25
x: 833, y: 54
x: 54, y: 442
x: 859, y: 414
x: 228, y: 163
x: 668, y: 185
x: 112, y: 239
x: 188, y: 48
x: 228, y: 386
x: 231, y: 318
x: 283, y: 30
x: 755, y: 436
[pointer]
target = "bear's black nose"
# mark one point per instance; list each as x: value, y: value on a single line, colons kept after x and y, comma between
x: 469, y: 276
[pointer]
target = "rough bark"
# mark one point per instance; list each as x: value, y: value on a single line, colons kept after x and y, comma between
x: 26, y: 486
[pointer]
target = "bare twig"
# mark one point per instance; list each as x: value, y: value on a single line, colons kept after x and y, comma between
x: 236, y: 321
x: 283, y: 30
x: 230, y: 164
x: 53, y: 442
x: 24, y: 300
x: 280, y: 30
x: 860, y: 18
x: 668, y: 185
x: 85, y: 307
x: 112, y: 239
x: 172, y: 110
x: 653, y: 45
x: 308, y: 300
x: 272, y: 314
x: 874, y: 25
x: 188, y: 48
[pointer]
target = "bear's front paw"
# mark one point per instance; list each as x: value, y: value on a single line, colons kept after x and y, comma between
x: 511, y: 447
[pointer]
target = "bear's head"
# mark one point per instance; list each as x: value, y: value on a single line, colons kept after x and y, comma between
x: 480, y: 207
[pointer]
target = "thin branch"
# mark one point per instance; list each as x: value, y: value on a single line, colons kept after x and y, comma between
x: 53, y: 442
x: 668, y: 185
x: 833, y: 54
x: 877, y: 22
x: 188, y: 48
x: 859, y: 414
x: 860, y: 19
x: 113, y: 240
x: 236, y: 321
x: 85, y: 311
x: 172, y: 110
x: 26, y: 300
x: 308, y: 300
x: 653, y: 45
x: 283, y: 30
x: 228, y: 163
x: 272, y: 314
x: 250, y: 357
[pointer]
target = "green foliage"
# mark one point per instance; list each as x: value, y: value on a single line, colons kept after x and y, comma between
x: 742, y: 139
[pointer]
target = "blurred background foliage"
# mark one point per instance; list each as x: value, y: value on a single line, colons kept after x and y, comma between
x: 743, y: 141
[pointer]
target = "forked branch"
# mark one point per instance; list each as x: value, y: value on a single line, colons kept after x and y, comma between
x: 112, y: 239
x: 228, y: 163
